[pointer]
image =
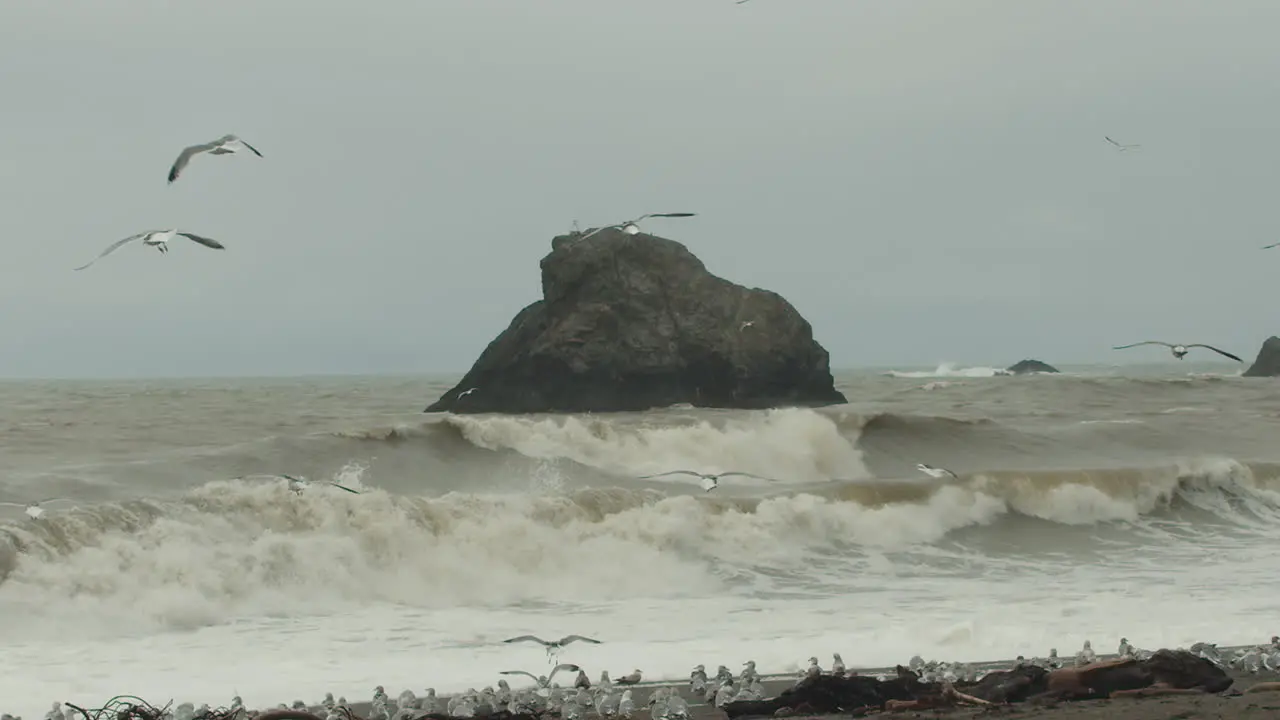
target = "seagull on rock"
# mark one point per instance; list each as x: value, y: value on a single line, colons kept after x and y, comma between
x: 1179, y: 351
x: 632, y: 227
x: 33, y: 509
x: 158, y: 239
x: 936, y: 472
x: 225, y: 145
x: 710, y: 481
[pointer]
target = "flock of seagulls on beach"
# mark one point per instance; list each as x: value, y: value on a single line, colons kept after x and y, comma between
x: 611, y: 698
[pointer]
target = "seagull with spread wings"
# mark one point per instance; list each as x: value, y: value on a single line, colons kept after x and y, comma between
x: 158, y: 239
x: 936, y: 472
x: 709, y: 481
x: 544, y: 681
x: 552, y: 646
x: 1179, y: 351
x: 225, y: 145
x: 632, y: 227
x: 1120, y: 146
x: 33, y: 509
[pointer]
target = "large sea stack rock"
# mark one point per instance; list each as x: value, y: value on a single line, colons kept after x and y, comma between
x: 1029, y: 367
x: 632, y: 322
x: 1268, y: 362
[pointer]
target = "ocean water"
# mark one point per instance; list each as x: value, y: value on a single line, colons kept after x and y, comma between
x: 1136, y: 501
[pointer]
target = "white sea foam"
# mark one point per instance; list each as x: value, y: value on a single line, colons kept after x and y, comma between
x: 791, y: 444
x: 949, y: 370
x: 283, y: 596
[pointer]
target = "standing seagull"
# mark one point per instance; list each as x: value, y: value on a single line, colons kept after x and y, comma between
x: 1180, y: 350
x: 710, y: 481
x: 552, y: 646
x: 1118, y: 145
x: 225, y: 145
x: 631, y: 227
x: 158, y: 239
x: 936, y: 472
x: 33, y: 509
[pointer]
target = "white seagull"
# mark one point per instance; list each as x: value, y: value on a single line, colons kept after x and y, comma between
x: 1180, y: 350
x: 298, y: 484
x: 544, y: 681
x: 158, y: 239
x: 632, y: 227
x: 936, y: 472
x: 710, y: 481
x: 466, y: 392
x: 225, y: 145
x: 1120, y: 146
x: 33, y: 509
x: 552, y: 646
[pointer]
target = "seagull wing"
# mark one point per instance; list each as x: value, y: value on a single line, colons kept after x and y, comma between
x: 520, y: 672
x: 649, y: 215
x: 570, y: 638
x: 1220, y: 352
x: 9, y: 504
x: 207, y: 242
x: 743, y: 474
x: 344, y: 487
x: 1265, y: 247
x: 185, y: 156
x: 1113, y: 142
x: 562, y: 666
x: 253, y: 149
x: 523, y: 638
x: 673, y: 472
x: 599, y: 229
x: 1144, y: 342
x: 112, y: 248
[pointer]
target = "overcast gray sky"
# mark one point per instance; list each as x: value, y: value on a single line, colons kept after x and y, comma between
x: 926, y: 181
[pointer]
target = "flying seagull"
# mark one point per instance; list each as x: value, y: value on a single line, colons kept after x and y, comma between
x: 544, y: 681
x: 1118, y: 145
x: 710, y: 481
x: 552, y: 646
x: 33, y: 509
x: 158, y: 239
x: 1180, y: 350
x: 297, y: 484
x: 632, y: 227
x: 936, y: 472
x: 225, y: 145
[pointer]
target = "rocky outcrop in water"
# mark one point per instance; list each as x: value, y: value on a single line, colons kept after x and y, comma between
x: 1268, y: 362
x: 632, y: 322
x: 1027, y: 367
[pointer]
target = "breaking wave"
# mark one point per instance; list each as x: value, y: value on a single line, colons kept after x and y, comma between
x: 235, y: 548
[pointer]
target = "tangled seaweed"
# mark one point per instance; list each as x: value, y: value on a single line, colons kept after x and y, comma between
x: 124, y: 707
x: 131, y: 707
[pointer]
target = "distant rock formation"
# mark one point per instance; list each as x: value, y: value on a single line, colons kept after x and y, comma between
x: 1026, y: 367
x: 632, y: 322
x: 1268, y: 362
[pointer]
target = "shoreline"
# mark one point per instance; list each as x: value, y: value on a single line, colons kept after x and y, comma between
x: 1234, y: 702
